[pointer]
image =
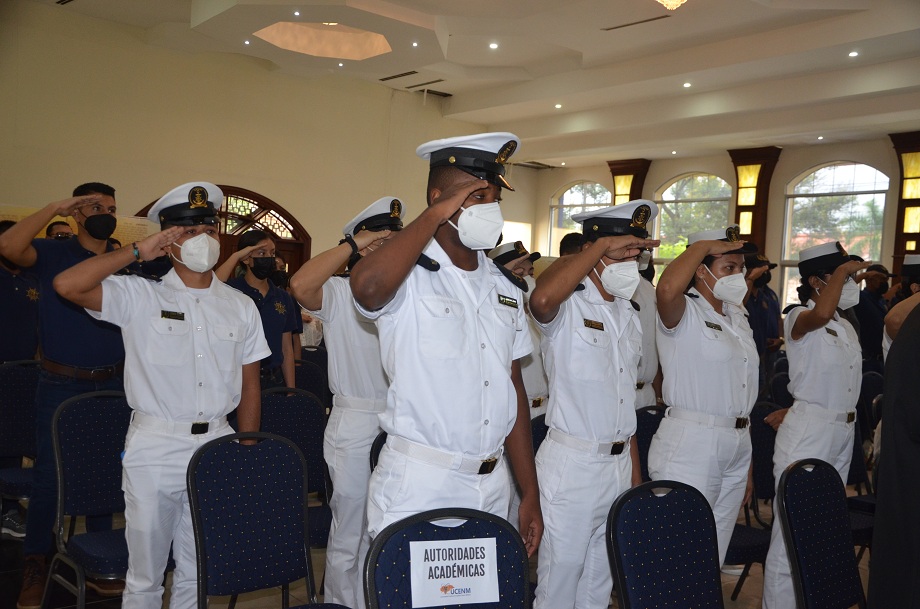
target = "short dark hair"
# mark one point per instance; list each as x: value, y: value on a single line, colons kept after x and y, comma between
x: 252, y: 237
x: 5, y: 225
x: 94, y: 188
x: 443, y: 177
x: 571, y: 244
x: 50, y: 227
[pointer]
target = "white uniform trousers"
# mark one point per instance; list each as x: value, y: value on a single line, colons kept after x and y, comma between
x: 576, y: 492
x: 800, y: 436
x: 514, y: 509
x: 157, y: 514
x: 346, y: 449
x: 402, y: 486
x: 713, y: 460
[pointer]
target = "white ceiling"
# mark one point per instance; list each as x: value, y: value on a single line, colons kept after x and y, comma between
x: 763, y: 72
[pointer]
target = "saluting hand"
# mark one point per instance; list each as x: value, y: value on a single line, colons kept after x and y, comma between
x: 449, y: 200
x: 717, y: 247
x: 155, y: 245
x: 66, y: 207
x: 627, y: 246
x: 370, y: 238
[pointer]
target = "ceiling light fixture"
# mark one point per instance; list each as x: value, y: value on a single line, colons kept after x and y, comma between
x: 297, y: 13
x: 558, y: 106
x: 671, y: 4
x: 493, y: 45
x: 820, y: 137
x: 673, y: 152
x: 854, y: 53
x: 415, y: 44
x: 341, y: 64
x: 330, y: 22
x: 245, y: 42
x: 563, y: 163
x: 687, y: 85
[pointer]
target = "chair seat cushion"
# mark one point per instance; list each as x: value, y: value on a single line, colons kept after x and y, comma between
x: 16, y: 482
x: 862, y: 503
x: 748, y: 545
x: 101, y: 553
x: 862, y: 524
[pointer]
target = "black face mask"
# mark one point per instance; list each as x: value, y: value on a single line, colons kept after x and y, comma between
x: 763, y: 280
x: 279, y: 278
x: 101, y: 226
x: 263, y: 267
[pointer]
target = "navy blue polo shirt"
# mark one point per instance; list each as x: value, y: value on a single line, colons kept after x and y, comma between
x: 279, y: 315
x: 763, y: 315
x: 68, y: 334
x: 19, y: 296
x: 871, y: 311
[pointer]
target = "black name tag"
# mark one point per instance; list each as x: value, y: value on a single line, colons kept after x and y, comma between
x: 709, y: 324
x: 507, y: 301
x: 172, y: 315
x: 594, y: 325
x: 831, y: 332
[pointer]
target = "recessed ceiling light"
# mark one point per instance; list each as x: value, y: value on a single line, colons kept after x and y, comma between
x: 415, y: 44
x: 563, y: 163
x: 673, y: 152
x: 245, y: 42
x: 687, y: 85
x: 297, y: 13
x: 330, y: 22
x: 341, y: 64
x: 854, y: 53
x: 820, y: 137
x: 558, y: 106
x: 493, y: 45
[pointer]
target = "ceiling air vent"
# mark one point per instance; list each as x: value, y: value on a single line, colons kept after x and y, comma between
x: 433, y: 92
x: 534, y: 165
x: 391, y: 77
x: 619, y: 27
x: 424, y: 84
x: 63, y: 1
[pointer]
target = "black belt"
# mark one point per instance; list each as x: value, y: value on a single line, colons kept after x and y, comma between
x: 487, y: 466
x: 640, y: 384
x: 103, y: 373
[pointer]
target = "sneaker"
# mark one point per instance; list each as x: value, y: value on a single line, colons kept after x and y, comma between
x: 13, y: 525
x: 34, y: 577
x: 106, y: 587
x: 735, y: 570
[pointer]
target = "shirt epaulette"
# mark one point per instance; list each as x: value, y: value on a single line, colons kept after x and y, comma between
x: 518, y: 281
x: 790, y: 307
x: 635, y: 305
x: 427, y: 263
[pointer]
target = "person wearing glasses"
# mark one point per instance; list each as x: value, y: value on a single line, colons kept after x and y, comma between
x: 825, y: 375
x: 58, y: 230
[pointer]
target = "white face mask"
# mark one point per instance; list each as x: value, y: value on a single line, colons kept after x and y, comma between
x: 200, y: 253
x: 620, y: 280
x: 531, y: 284
x: 849, y: 295
x: 480, y: 226
x: 643, y: 259
x: 731, y: 288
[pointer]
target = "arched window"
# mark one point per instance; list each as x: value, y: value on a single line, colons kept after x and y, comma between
x: 577, y: 198
x: 691, y: 203
x: 839, y: 201
x: 243, y: 210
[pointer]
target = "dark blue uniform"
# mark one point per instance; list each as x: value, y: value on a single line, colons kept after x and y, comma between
x: 74, y: 340
x: 279, y: 315
x: 19, y: 315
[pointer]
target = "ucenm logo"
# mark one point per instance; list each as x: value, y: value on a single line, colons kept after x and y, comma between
x: 450, y: 590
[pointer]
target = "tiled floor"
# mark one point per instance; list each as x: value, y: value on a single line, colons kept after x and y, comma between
x: 11, y: 565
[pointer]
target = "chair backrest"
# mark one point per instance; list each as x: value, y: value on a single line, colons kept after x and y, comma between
x: 661, y: 541
x: 388, y: 581
x: 538, y: 431
x: 779, y: 390
x: 316, y: 355
x: 18, y: 381
x: 872, y: 385
x: 647, y: 421
x: 376, y: 447
x: 310, y: 377
x: 763, y: 440
x: 816, y: 526
x: 300, y: 417
x: 249, y: 515
x: 89, y: 436
x: 781, y: 365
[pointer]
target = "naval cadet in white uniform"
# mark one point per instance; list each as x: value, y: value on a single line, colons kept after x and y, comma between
x: 452, y: 333
x: 710, y: 367
x: 825, y: 376
x: 193, y: 347
x: 359, y: 388
x: 592, y: 342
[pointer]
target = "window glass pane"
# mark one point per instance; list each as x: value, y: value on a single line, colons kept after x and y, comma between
x: 842, y: 177
x: 692, y: 204
x: 791, y: 282
x: 585, y: 196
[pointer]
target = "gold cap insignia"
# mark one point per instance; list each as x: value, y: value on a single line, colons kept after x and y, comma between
x: 198, y: 197
x: 840, y: 249
x: 732, y: 233
x: 519, y: 248
x: 640, y: 216
x: 506, y: 151
x: 395, y: 208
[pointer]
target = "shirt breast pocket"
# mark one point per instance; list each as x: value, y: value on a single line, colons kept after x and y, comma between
x: 227, y: 344
x: 716, y: 345
x: 168, y: 342
x: 441, y: 328
x: 591, y: 360
x: 833, y: 349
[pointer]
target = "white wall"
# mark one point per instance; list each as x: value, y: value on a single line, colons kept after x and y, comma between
x: 87, y: 100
